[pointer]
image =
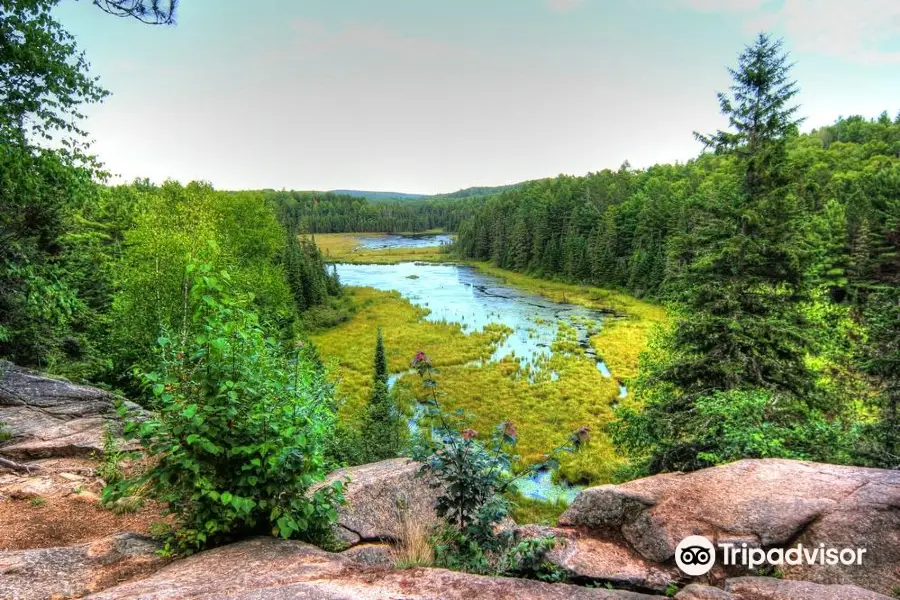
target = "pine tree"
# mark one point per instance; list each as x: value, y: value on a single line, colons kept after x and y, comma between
x: 881, y: 360
x: 381, y: 368
x: 741, y: 327
x: 382, y: 427
x: 743, y: 290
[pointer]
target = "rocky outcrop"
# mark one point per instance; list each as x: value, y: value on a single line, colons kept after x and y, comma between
x: 49, y: 417
x: 285, y: 570
x: 379, y: 496
x: 76, y: 570
x: 767, y: 588
x: 767, y: 503
x: 590, y: 558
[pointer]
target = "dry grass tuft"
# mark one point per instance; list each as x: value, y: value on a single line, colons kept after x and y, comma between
x: 413, y: 549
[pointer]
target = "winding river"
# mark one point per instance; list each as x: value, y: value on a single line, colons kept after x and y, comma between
x: 461, y: 294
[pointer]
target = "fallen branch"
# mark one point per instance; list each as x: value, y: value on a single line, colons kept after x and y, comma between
x: 14, y: 466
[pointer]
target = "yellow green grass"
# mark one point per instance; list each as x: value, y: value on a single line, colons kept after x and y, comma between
x: 545, y: 411
x: 344, y: 247
x: 350, y: 347
x: 622, y: 337
x: 537, y: 512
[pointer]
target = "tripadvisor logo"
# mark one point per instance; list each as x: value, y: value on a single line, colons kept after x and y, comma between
x: 695, y: 555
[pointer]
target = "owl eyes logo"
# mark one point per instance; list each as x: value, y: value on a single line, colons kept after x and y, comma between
x: 695, y: 555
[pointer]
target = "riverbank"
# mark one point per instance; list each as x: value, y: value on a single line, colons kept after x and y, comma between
x: 547, y: 396
x: 346, y: 248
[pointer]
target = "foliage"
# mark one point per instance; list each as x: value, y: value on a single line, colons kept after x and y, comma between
x: 327, y: 212
x: 175, y: 225
x: 731, y: 425
x: 4, y: 433
x: 473, y: 478
x: 44, y: 79
x: 110, y: 467
x: 310, y: 282
x: 239, y: 429
x: 43, y: 82
x: 881, y: 361
x: 383, y: 425
x: 732, y: 378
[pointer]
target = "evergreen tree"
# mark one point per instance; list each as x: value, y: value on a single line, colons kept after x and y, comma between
x: 743, y: 287
x: 881, y: 360
x: 741, y: 327
x: 382, y: 428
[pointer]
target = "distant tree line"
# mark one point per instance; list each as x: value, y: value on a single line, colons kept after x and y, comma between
x: 326, y: 212
x: 779, y: 256
x: 616, y: 228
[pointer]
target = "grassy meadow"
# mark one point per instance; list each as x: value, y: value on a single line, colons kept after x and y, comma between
x: 344, y: 247
x: 545, y: 409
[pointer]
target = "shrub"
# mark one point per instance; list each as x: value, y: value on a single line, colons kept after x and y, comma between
x: 726, y: 426
x: 474, y: 478
x: 110, y: 467
x: 239, y: 430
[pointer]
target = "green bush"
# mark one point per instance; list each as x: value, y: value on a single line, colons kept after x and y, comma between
x: 727, y: 426
x: 475, y: 479
x: 239, y: 428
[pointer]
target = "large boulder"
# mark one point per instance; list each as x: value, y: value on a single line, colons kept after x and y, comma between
x: 767, y: 588
x: 767, y: 503
x: 76, y: 570
x: 49, y: 417
x: 380, y: 497
x: 590, y: 558
x: 286, y: 570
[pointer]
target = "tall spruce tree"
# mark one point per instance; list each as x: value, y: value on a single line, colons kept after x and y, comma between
x: 740, y: 284
x: 744, y: 281
x: 382, y: 424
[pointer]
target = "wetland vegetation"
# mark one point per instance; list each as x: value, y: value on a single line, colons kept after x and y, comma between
x: 744, y: 304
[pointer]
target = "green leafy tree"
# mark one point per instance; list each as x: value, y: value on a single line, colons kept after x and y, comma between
x: 238, y: 430
x: 44, y: 81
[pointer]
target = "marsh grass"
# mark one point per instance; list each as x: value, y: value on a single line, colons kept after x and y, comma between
x: 537, y: 512
x: 350, y: 346
x: 344, y: 247
x: 545, y: 409
x: 623, y: 335
x: 413, y: 547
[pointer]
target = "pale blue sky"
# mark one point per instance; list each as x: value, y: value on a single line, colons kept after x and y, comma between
x: 432, y: 96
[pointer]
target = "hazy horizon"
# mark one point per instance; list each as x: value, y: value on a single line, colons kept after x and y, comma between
x: 427, y: 98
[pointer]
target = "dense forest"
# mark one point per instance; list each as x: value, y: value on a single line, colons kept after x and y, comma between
x: 617, y: 228
x: 325, y: 212
x: 778, y: 253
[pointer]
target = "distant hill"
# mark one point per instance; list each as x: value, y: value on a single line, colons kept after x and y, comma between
x: 464, y: 193
x: 369, y: 195
x: 481, y: 191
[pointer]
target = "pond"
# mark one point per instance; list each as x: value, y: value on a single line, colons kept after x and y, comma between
x: 461, y: 294
x: 396, y: 240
